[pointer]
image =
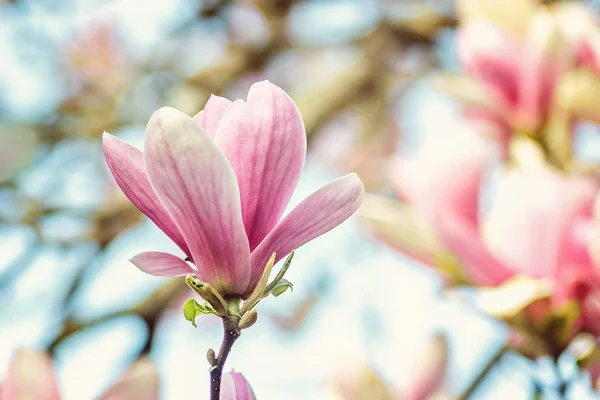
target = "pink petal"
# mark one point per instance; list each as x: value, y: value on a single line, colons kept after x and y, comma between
x: 265, y: 142
x: 141, y: 382
x: 197, y: 186
x: 127, y: 166
x: 548, y: 57
x: 317, y: 214
x: 462, y: 237
x: 161, y: 264
x: 235, y: 387
x: 578, y: 232
x: 493, y: 57
x: 531, y: 223
x: 447, y: 174
x: 211, y: 115
x: 594, y: 234
x: 429, y: 371
x: 30, y: 376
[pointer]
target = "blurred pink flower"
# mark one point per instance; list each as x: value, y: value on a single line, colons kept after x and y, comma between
x: 443, y: 183
x: 429, y: 372
x: 520, y: 73
x: 30, y: 375
x: 540, y: 222
x: 96, y: 56
x: 359, y: 381
x: 140, y: 382
x: 217, y: 185
x: 235, y: 387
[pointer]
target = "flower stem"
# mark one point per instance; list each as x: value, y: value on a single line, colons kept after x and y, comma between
x: 231, y: 333
x: 483, y: 373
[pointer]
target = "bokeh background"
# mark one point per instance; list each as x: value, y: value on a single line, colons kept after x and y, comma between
x: 360, y: 72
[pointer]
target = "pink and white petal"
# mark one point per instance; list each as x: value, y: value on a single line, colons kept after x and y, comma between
x: 126, y: 163
x: 548, y: 57
x: 493, y: 57
x: 535, y: 210
x: 446, y: 174
x: 140, y: 382
x: 198, y: 187
x: 594, y: 233
x: 462, y: 237
x: 320, y: 212
x: 265, y: 142
x: 578, y: 220
x: 211, y: 115
x: 235, y: 387
x: 161, y: 264
x: 30, y: 376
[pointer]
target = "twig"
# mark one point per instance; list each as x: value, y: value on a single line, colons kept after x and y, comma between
x: 483, y: 374
x: 231, y: 332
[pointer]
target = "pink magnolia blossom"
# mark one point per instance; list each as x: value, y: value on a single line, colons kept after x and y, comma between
x: 217, y: 184
x: 358, y: 380
x: 31, y: 376
x: 429, y: 372
x: 235, y: 387
x: 540, y: 223
x: 520, y: 73
x: 443, y: 182
x: 140, y: 382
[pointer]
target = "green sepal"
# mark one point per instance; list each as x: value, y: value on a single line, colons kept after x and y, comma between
x: 281, y: 287
x: 271, y: 286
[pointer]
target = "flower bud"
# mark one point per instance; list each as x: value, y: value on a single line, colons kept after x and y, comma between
x: 429, y: 371
x: 211, y: 357
x: 141, y: 382
x: 208, y: 293
x: 249, y: 319
x: 235, y: 387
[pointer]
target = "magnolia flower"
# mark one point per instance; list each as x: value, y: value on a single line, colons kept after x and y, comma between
x: 429, y: 371
x: 217, y: 184
x: 540, y: 223
x: 424, y: 380
x: 445, y: 179
x: 31, y: 376
x: 519, y: 72
x: 235, y: 387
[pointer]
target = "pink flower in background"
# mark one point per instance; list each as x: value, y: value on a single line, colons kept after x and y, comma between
x: 444, y: 181
x: 539, y: 225
x: 217, y: 184
x: 429, y: 371
x: 140, y: 382
x: 359, y: 381
x: 31, y: 376
x: 519, y: 73
x: 235, y: 387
